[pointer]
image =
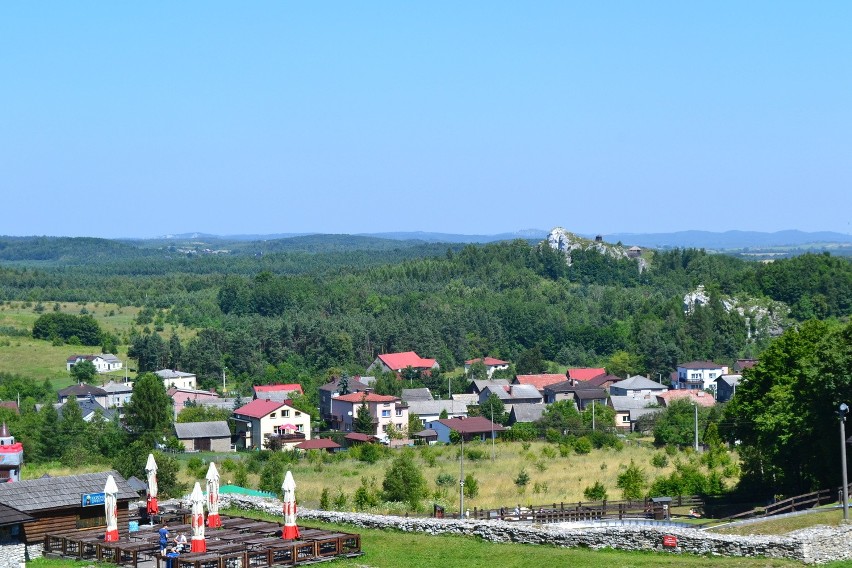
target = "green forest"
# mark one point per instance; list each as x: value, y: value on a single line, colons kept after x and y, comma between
x: 317, y: 307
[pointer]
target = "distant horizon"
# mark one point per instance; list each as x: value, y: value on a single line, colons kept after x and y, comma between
x: 519, y: 232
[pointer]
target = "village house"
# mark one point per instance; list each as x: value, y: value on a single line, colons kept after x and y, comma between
x: 181, y: 396
x: 584, y: 373
x: 698, y: 375
x: 604, y: 381
x: 177, y: 379
x: 477, y: 386
x: 476, y: 427
x: 726, y: 386
x: 420, y: 394
x: 82, y: 392
x: 491, y: 365
x: 333, y: 388
x: 625, y: 405
x: 526, y: 413
x: 103, y: 362
x: 637, y: 386
x: 398, y: 362
x: 212, y: 436
x: 117, y: 394
x: 280, y: 392
x: 384, y: 410
x: 577, y: 391
x: 698, y: 397
x: 513, y: 395
x: 429, y: 410
x: 539, y: 381
x: 259, y: 420
x: 89, y: 409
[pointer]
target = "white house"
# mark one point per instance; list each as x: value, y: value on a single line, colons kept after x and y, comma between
x: 397, y: 362
x: 260, y: 419
x: 698, y: 375
x: 104, y: 362
x: 384, y: 411
x: 637, y: 386
x: 491, y: 365
x: 177, y: 379
x: 118, y: 394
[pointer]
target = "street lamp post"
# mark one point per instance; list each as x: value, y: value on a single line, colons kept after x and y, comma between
x: 695, y: 406
x: 842, y: 412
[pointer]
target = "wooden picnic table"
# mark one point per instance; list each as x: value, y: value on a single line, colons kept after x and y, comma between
x: 126, y: 552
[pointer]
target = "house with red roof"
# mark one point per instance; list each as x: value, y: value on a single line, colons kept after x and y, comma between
x: 262, y: 419
x: 397, y: 362
x: 491, y: 365
x: 539, y: 381
x: 585, y: 373
x: 323, y: 444
x: 277, y: 392
x: 384, y: 411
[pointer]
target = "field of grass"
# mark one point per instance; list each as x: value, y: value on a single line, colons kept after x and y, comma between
x: 41, y: 360
x: 552, y: 477
x: 830, y: 517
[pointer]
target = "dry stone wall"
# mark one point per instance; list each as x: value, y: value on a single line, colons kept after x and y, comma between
x: 814, y: 545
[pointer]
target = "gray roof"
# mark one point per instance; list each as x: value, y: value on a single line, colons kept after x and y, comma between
x: 11, y: 516
x: 114, y: 387
x: 216, y: 429
x: 527, y: 412
x: 638, y: 382
x: 59, y: 492
x: 525, y: 391
x: 356, y: 384
x: 137, y: 484
x: 81, y: 389
x: 467, y: 398
x: 109, y: 357
x: 731, y: 380
x: 434, y: 407
x: 590, y: 394
x: 481, y: 385
x: 170, y: 374
x: 88, y: 409
x: 637, y: 413
x: 496, y: 390
x: 624, y: 403
x: 409, y: 395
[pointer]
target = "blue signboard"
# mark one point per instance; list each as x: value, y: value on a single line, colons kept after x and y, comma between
x: 92, y: 499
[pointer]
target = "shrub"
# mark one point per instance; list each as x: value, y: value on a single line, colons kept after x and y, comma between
x: 365, y: 497
x: 523, y: 478
x: 445, y: 480
x: 596, y: 492
x: 475, y: 454
x: 548, y: 452
x: 632, y: 482
x: 582, y: 445
x: 659, y: 460
x: 325, y: 500
x: 340, y: 501
x: 403, y: 481
x: 471, y: 486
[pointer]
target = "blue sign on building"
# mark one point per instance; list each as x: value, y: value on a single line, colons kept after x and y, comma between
x: 92, y: 499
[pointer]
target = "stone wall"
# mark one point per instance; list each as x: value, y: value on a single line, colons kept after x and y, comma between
x: 814, y: 545
x: 12, y: 554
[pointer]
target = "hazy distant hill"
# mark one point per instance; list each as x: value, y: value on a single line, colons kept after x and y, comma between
x: 727, y: 240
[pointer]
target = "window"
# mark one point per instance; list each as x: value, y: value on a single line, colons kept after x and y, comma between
x: 625, y: 418
x: 399, y: 412
x: 385, y: 413
x: 285, y: 413
x: 272, y: 415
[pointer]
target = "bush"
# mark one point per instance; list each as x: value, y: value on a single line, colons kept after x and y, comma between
x: 403, y: 481
x: 365, y: 497
x: 523, y: 478
x: 596, y: 492
x: 583, y: 445
x: 325, y: 500
x: 475, y: 454
x: 445, y: 480
x: 659, y: 460
x: 471, y: 486
x: 632, y: 482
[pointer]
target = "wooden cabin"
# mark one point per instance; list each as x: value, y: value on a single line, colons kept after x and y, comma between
x: 66, y: 504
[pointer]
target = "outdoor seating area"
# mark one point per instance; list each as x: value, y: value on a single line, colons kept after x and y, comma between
x: 239, y: 543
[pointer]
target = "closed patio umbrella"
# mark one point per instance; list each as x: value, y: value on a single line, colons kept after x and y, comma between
x: 111, y: 510
x: 213, y: 519
x: 198, y: 543
x: 151, y: 470
x: 291, y: 530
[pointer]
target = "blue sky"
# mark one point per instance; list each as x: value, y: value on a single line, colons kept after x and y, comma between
x: 139, y: 119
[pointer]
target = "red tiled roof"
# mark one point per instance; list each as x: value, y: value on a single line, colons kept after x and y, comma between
x: 359, y: 437
x: 487, y: 361
x: 541, y: 380
x: 258, y: 408
x: 289, y: 387
x: 585, y: 373
x: 398, y: 361
x: 700, y: 398
x: 471, y: 425
x: 356, y: 397
x: 318, y: 444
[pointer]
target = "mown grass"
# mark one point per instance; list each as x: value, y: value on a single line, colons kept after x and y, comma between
x: 771, y: 526
x: 394, y: 549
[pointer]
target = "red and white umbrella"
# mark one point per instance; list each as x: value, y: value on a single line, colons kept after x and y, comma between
x: 111, y: 510
x: 291, y: 531
x: 198, y: 543
x: 213, y: 519
x: 151, y: 470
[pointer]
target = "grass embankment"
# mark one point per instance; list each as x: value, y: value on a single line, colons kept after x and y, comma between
x: 37, y: 359
x: 553, y: 478
x: 830, y: 517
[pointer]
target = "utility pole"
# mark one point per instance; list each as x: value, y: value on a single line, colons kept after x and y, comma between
x: 492, y: 432
x: 695, y: 406
x: 461, y: 479
x: 224, y: 390
x: 593, y: 415
x: 842, y: 412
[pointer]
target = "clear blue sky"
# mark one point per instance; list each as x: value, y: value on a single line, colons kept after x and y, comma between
x: 144, y: 118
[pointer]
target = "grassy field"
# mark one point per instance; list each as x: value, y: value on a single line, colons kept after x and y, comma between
x: 830, y: 517
x: 553, y: 478
x: 41, y: 360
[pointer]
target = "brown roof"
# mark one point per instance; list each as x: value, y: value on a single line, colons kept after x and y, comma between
x: 318, y: 444
x: 700, y: 398
x: 359, y: 437
x: 541, y: 380
x: 602, y: 380
x: 471, y: 425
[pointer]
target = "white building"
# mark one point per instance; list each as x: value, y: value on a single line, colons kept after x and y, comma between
x: 177, y: 379
x: 698, y: 375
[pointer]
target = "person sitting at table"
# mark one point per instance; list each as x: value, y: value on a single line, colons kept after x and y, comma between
x: 164, y: 538
x: 180, y: 543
